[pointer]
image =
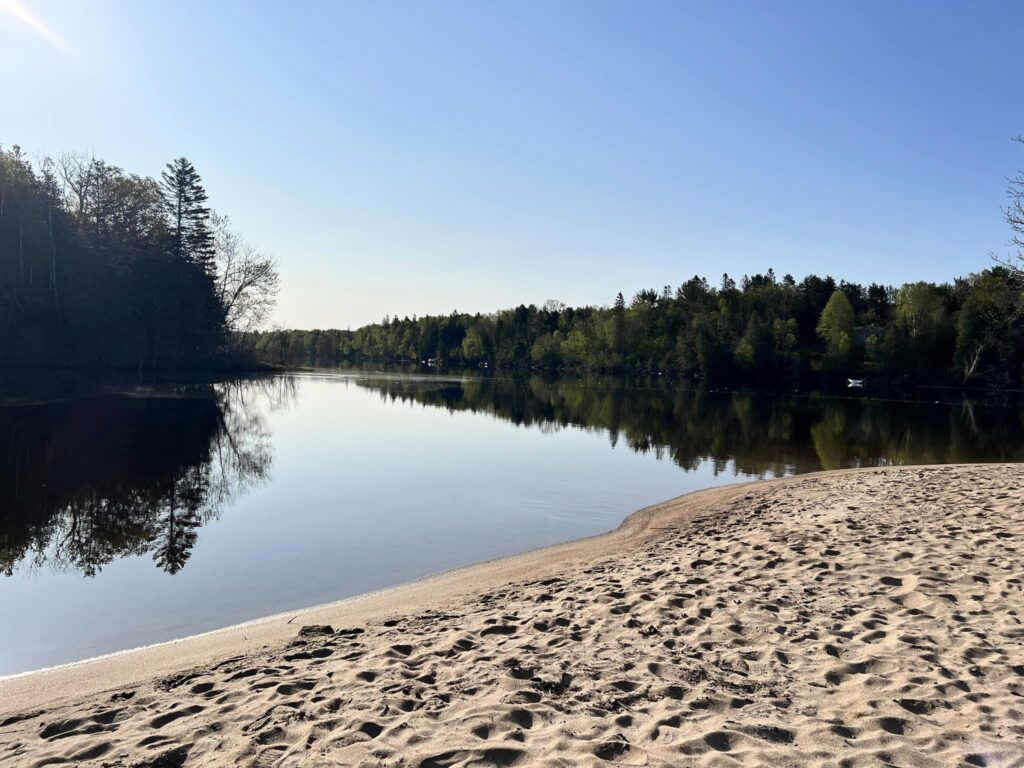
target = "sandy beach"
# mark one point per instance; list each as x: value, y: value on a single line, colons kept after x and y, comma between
x: 864, y: 617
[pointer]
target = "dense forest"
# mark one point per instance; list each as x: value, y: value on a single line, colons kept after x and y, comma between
x: 100, y: 267
x: 761, y: 329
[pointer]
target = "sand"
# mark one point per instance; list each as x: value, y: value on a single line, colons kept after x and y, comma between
x: 851, y: 618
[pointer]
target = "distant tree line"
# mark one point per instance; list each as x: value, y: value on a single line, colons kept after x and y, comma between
x: 102, y: 267
x: 762, y: 329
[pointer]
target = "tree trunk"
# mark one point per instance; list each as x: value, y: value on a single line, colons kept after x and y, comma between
x: 53, y: 261
x: 975, y: 358
x: 21, y: 250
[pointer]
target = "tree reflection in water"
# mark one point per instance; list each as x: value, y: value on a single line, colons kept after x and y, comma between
x: 749, y: 433
x: 88, y: 480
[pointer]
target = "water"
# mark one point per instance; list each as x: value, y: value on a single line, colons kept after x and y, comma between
x: 131, y: 515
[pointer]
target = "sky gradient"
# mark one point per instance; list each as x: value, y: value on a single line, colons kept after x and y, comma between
x: 417, y: 158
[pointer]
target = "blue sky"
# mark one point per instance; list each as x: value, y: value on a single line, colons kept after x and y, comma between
x: 412, y: 158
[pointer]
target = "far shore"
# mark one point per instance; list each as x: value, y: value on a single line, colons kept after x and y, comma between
x: 875, y: 615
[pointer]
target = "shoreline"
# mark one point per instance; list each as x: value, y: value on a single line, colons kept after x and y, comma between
x: 147, y: 660
x: 133, y: 665
x: 616, y: 601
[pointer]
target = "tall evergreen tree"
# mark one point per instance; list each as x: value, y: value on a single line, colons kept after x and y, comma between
x: 192, y: 234
x: 619, y: 328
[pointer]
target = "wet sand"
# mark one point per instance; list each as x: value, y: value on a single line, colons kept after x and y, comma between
x: 850, y: 618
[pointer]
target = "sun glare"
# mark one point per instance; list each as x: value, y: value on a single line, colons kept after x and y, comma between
x: 18, y: 11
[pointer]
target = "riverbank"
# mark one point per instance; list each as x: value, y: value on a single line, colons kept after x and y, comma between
x: 873, y: 615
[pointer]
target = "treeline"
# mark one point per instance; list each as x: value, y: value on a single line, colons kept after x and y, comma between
x: 762, y: 329
x: 100, y: 267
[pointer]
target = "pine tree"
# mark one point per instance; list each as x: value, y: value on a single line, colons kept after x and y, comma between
x: 189, y: 217
x: 619, y: 329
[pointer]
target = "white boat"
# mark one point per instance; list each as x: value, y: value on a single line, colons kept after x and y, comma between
x: 855, y: 383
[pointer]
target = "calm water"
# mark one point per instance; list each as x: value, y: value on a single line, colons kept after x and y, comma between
x: 132, y: 515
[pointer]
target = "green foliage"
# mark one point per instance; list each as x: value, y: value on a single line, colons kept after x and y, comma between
x: 547, y: 351
x: 755, y: 350
x: 989, y: 334
x: 836, y: 329
x: 474, y: 345
x: 920, y: 341
x: 761, y: 331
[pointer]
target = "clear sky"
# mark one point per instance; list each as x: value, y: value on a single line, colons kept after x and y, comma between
x: 420, y: 157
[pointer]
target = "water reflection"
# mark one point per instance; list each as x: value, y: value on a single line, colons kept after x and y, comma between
x: 756, y: 434
x: 87, y: 480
